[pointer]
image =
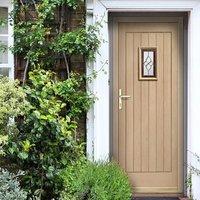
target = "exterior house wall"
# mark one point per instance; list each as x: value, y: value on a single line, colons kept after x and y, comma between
x: 74, y: 19
x: 98, y: 122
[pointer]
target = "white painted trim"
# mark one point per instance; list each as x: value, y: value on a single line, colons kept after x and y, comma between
x: 90, y: 114
x: 10, y: 44
x: 4, y: 66
x: 194, y: 93
x: 101, y: 127
x: 10, y: 64
x: 150, y: 5
x: 101, y: 90
x: 5, y: 3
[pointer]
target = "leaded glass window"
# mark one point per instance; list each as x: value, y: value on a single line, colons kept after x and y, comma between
x: 148, y: 63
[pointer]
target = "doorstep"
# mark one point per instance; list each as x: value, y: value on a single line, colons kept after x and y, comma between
x: 183, y: 198
x: 160, y: 198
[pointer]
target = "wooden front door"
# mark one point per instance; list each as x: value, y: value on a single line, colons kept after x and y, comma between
x: 147, y: 138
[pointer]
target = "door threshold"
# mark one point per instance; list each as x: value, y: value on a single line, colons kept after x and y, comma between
x: 160, y: 198
x: 173, y: 195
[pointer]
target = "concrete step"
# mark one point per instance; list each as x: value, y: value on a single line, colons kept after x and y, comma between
x: 155, y: 198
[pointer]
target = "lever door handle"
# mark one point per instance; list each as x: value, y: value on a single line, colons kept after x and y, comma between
x: 122, y: 97
x: 125, y: 96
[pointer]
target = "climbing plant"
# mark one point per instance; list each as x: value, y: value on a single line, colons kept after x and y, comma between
x: 46, y: 140
x: 41, y: 38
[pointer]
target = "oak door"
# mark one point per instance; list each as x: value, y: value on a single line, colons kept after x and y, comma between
x: 147, y: 138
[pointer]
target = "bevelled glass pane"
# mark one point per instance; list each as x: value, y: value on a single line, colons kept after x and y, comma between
x: 4, y: 72
x: 148, y: 63
x: 3, y: 20
x: 4, y: 50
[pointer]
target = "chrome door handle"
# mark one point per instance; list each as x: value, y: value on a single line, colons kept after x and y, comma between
x: 122, y: 97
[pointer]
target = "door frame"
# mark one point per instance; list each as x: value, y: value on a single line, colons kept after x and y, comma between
x: 150, y: 17
x: 98, y: 118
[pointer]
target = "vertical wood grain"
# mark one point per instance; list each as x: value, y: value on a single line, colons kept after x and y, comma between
x: 122, y: 86
x: 160, y: 103
x: 129, y: 103
x: 137, y: 106
x: 150, y: 123
x: 175, y: 104
x: 145, y: 113
x: 181, y: 95
x: 152, y: 114
x: 167, y: 101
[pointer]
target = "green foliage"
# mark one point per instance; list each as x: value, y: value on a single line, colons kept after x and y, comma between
x: 82, y: 41
x: 30, y: 38
x: 46, y: 141
x: 41, y: 42
x: 71, y: 3
x: 9, y: 186
x: 12, y: 104
x: 46, y: 8
x: 72, y: 91
x: 95, y: 181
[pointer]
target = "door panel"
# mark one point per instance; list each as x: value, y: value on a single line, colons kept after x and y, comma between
x: 148, y: 129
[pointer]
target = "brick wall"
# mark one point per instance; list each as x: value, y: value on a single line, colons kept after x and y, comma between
x: 73, y: 20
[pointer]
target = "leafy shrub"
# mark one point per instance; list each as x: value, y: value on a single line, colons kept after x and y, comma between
x: 46, y: 141
x: 10, y: 187
x: 97, y: 181
x: 12, y: 101
x: 12, y: 104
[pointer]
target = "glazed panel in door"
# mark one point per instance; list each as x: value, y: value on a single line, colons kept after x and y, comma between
x: 148, y: 113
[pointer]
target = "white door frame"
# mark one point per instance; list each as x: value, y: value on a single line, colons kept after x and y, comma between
x: 98, y: 122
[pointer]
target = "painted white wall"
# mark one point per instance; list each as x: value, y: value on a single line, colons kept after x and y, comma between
x: 101, y: 88
x: 98, y: 123
x: 90, y: 87
x: 98, y: 116
x: 194, y: 94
